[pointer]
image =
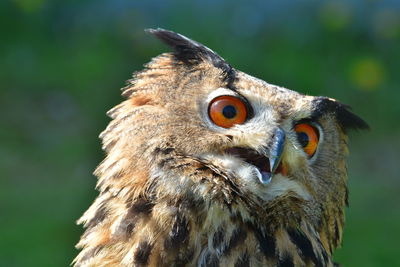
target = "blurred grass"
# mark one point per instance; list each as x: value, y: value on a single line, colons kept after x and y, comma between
x: 62, y: 63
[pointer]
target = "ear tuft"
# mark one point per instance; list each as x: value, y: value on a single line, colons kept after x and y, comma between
x: 347, y: 119
x: 192, y: 52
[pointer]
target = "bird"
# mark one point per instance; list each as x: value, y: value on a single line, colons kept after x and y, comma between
x: 208, y: 166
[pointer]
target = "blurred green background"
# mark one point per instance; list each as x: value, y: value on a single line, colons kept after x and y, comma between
x: 62, y: 64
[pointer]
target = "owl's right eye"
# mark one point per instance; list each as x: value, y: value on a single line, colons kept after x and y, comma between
x: 226, y: 111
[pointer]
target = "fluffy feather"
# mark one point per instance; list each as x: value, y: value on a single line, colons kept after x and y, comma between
x: 171, y: 195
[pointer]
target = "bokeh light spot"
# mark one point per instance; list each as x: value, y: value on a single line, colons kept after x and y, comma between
x: 367, y: 73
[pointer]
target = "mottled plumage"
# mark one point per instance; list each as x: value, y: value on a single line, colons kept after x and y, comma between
x: 178, y: 190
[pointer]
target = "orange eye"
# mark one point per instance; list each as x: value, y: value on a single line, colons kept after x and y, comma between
x: 226, y: 111
x: 308, y: 137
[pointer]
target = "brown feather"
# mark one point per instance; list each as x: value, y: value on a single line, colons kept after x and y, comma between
x: 170, y: 195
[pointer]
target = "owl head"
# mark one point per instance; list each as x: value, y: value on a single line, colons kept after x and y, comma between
x: 208, y: 164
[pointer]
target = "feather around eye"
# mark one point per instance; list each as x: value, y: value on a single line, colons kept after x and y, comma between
x: 226, y: 111
x: 308, y: 137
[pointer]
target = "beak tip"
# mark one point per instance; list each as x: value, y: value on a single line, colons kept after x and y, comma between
x: 265, y: 177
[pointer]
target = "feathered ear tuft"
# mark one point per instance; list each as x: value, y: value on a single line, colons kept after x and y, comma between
x: 347, y: 119
x: 192, y: 52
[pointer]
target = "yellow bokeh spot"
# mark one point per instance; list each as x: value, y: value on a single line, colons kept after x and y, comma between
x: 367, y: 74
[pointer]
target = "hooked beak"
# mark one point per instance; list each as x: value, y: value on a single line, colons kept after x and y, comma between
x: 274, y: 155
x: 276, y: 149
x: 268, y: 163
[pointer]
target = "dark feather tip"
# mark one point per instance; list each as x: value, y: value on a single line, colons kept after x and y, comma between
x: 185, y: 48
x: 175, y: 40
x: 347, y: 119
x: 192, y: 52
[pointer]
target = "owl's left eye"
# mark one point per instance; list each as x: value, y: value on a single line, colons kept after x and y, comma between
x: 308, y: 137
x: 226, y: 111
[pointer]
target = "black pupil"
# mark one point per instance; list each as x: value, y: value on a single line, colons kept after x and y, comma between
x: 229, y: 112
x: 303, y: 139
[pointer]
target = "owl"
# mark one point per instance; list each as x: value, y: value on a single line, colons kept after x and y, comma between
x: 208, y: 166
